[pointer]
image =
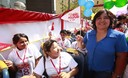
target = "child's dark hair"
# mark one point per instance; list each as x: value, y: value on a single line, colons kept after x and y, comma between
x: 63, y: 31
x: 17, y: 37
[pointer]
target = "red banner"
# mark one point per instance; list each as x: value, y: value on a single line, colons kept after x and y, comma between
x: 4, y: 45
x: 8, y: 15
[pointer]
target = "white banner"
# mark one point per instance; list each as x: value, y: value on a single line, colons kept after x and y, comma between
x: 73, y: 16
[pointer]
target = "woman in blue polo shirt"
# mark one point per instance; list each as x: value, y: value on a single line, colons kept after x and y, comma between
x: 107, y: 48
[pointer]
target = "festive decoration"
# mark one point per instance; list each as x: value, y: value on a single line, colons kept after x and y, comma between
x: 120, y: 3
x: 89, y: 4
x: 3, y: 65
x: 81, y: 2
x: 88, y: 12
x: 4, y: 69
x: 73, y: 15
x: 4, y: 46
x: 108, y: 4
x: 92, y: 16
x: 52, y: 28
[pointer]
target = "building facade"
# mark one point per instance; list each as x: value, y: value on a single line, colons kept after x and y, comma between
x: 49, y: 6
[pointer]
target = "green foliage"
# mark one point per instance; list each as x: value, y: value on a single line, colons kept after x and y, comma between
x: 72, y: 5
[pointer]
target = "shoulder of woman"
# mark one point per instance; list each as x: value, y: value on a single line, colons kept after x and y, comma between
x: 31, y: 45
x: 118, y: 32
x: 90, y: 31
x: 65, y: 54
x: 13, y: 51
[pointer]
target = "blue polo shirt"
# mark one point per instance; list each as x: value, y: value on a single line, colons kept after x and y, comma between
x: 101, y: 54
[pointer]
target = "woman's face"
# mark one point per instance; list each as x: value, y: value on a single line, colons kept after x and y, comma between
x: 22, y: 43
x: 54, y: 50
x: 103, y: 21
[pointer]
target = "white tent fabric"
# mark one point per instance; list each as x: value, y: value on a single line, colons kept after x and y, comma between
x: 117, y: 11
x: 34, y: 24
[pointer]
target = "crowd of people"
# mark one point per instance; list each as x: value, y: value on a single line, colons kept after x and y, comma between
x: 101, y: 52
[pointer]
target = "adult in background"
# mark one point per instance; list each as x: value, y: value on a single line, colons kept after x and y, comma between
x: 75, y: 44
x: 70, y: 36
x: 107, y: 48
x: 23, y: 57
x: 81, y: 57
x: 121, y: 23
x: 63, y: 41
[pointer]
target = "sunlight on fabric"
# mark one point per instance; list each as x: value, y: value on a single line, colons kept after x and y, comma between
x: 117, y: 11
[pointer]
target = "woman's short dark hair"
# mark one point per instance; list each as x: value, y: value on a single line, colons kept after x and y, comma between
x: 47, y: 45
x: 17, y: 37
x: 98, y: 14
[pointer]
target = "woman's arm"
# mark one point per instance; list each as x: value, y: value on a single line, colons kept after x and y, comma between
x: 71, y: 73
x: 37, y: 60
x: 120, y: 64
x: 80, y: 42
x: 10, y: 65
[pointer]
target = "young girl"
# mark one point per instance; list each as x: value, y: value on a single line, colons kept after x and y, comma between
x: 23, y: 58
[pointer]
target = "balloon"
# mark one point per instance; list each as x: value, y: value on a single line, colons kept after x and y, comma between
x: 89, y: 4
x: 108, y: 4
x: 4, y: 69
x: 120, y: 3
x: 92, y: 16
x: 3, y: 65
x: 88, y: 12
x: 82, y: 8
x: 81, y: 2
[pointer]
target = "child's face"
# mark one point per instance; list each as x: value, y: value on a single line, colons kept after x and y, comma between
x: 22, y: 43
x: 62, y: 35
